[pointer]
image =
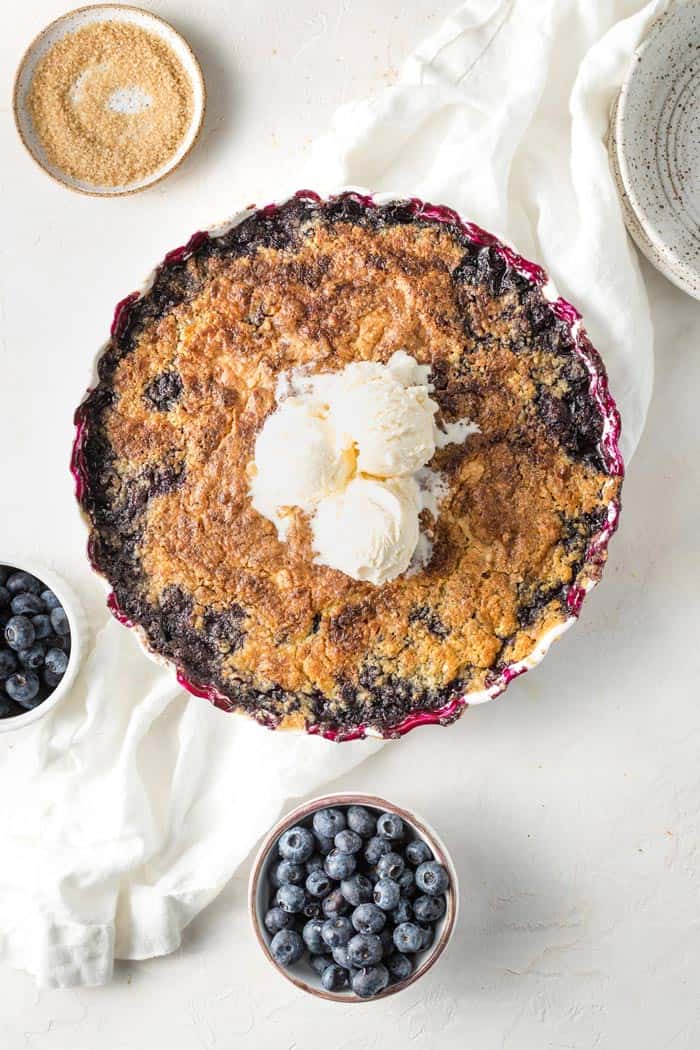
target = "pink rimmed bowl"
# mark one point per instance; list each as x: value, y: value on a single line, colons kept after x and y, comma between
x: 260, y: 894
x: 599, y: 391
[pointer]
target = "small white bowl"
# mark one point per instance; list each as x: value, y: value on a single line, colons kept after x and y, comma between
x: 78, y: 640
x: 260, y: 892
x: 78, y: 19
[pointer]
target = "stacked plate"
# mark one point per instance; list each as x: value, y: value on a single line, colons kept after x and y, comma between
x: 655, y: 146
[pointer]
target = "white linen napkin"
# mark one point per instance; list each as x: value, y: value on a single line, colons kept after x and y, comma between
x: 133, y: 804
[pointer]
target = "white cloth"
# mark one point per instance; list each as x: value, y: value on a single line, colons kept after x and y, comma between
x: 133, y: 804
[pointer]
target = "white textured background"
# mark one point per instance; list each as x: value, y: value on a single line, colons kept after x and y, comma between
x: 571, y: 806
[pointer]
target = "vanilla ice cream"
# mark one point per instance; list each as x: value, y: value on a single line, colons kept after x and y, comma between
x: 350, y: 449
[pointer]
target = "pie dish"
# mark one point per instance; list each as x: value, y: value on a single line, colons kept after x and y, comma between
x: 165, y: 437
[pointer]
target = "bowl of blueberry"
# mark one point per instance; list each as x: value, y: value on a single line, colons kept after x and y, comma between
x: 353, y: 898
x: 41, y: 629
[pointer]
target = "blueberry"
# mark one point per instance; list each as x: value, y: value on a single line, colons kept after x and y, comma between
x: 4, y: 596
x: 361, y: 821
x: 312, y: 936
x: 51, y: 678
x: 408, y: 937
x: 33, y: 657
x: 290, y: 898
x: 376, y: 848
x: 23, y: 688
x: 20, y: 582
x: 348, y: 841
x: 429, y: 909
x: 390, y: 866
x: 284, y: 872
x: 26, y: 604
x: 356, y: 890
x: 340, y: 865
x: 59, y: 620
x: 314, y: 863
x: 418, y: 852
x: 49, y: 599
x: 432, y: 878
x: 57, y: 661
x: 4, y: 573
x: 286, y: 947
x: 296, y: 844
x: 19, y: 632
x: 390, y: 826
x: 320, y: 962
x: 364, y: 949
x: 407, y: 884
x: 340, y: 956
x: 387, y: 941
x: 403, y: 912
x: 42, y: 625
x: 8, y: 663
x: 328, y: 822
x: 427, y: 935
x: 324, y: 843
x: 337, y: 931
x: 318, y: 884
x: 334, y: 978
x: 399, y: 966
x: 334, y: 904
x: 370, y: 980
x: 276, y: 920
x: 368, y: 918
x: 386, y: 894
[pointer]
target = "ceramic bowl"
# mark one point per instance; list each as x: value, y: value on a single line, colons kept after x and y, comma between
x: 78, y: 19
x: 261, y: 891
x: 78, y: 635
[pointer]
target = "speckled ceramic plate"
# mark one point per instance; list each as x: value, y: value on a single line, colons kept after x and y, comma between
x: 79, y: 19
x: 655, y: 146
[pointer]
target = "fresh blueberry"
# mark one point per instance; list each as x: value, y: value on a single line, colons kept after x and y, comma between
x: 314, y: 863
x: 286, y: 871
x: 429, y: 909
x: 432, y: 878
x: 370, y: 980
x: 356, y: 890
x: 334, y: 978
x: 361, y: 821
x: 4, y: 573
x: 328, y: 822
x: 390, y: 866
x: 4, y: 596
x: 324, y: 844
x: 286, y: 947
x: 390, y: 826
x: 33, y: 657
x: 318, y: 884
x: 57, y: 661
x: 340, y: 865
x: 387, y: 940
x: 399, y: 966
x: 42, y: 625
x: 8, y: 663
x: 408, y: 937
x: 337, y: 931
x: 19, y: 632
x: 290, y: 898
x: 348, y: 841
x: 376, y: 848
x: 340, y: 956
x: 26, y: 604
x: 427, y: 935
x: 49, y: 599
x: 334, y: 904
x: 368, y: 918
x: 59, y: 620
x: 312, y: 908
x: 296, y: 844
x: 403, y: 912
x: 50, y: 677
x: 407, y: 884
x: 312, y: 936
x: 418, y: 852
x: 20, y: 582
x: 364, y: 949
x: 320, y: 962
x: 386, y: 894
x: 276, y: 920
x: 23, y: 688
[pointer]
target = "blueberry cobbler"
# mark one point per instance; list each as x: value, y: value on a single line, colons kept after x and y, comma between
x: 347, y: 466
